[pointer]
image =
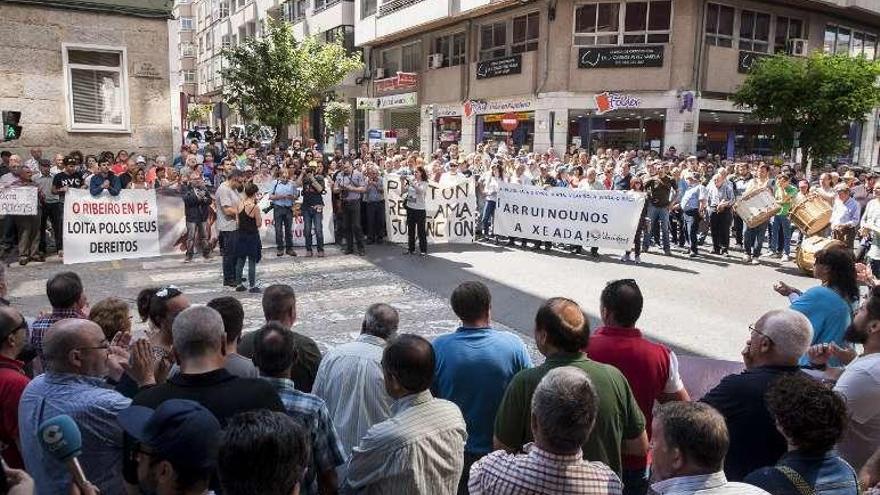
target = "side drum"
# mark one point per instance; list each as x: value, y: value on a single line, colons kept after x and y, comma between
x: 811, y: 215
x: 806, y: 253
x: 756, y: 207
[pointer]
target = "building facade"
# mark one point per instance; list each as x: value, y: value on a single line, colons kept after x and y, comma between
x: 648, y: 74
x: 87, y: 75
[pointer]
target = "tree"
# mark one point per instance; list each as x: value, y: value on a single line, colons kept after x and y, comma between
x: 276, y: 79
x: 337, y: 115
x: 813, y: 99
x: 197, y: 114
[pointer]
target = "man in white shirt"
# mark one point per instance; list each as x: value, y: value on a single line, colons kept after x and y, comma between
x: 228, y: 199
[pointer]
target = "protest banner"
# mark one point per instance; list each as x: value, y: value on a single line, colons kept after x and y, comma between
x: 451, y: 209
x: 18, y: 201
x: 569, y: 216
x: 267, y: 228
x: 105, y: 227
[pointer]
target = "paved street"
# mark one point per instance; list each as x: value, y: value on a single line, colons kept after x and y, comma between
x: 701, y: 307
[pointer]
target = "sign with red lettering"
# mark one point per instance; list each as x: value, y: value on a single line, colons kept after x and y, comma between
x: 401, y: 80
x: 105, y: 227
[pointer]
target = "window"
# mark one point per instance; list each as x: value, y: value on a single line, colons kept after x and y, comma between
x: 624, y: 23
x: 452, y: 48
x: 323, y: 4
x: 224, y: 10
x: 389, y: 60
x: 647, y: 22
x: 97, y: 96
x: 787, y: 29
x: 368, y: 8
x: 754, y: 31
x: 870, y: 46
x: 226, y: 41
x: 525, y: 33
x: 188, y: 76
x: 719, y: 25
x: 187, y: 50
x: 843, y: 41
x: 295, y: 10
x: 186, y: 24
x: 241, y: 3
x: 180, y: 2
x: 493, y: 40
x: 597, y: 24
x: 345, y: 35
x: 411, y: 58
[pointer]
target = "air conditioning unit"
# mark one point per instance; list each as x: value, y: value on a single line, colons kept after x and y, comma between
x: 435, y: 60
x: 797, y: 47
x: 379, y: 73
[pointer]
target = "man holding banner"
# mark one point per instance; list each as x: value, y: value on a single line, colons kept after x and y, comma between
x: 28, y: 226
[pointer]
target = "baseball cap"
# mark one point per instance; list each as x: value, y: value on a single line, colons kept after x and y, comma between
x: 141, y: 159
x: 841, y: 187
x: 69, y: 160
x: 179, y: 430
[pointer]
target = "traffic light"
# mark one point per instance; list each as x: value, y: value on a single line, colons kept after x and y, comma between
x: 11, y: 129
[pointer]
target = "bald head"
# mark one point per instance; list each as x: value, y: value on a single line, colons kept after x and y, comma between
x: 409, y: 359
x: 790, y: 331
x: 562, y: 325
x: 73, y: 345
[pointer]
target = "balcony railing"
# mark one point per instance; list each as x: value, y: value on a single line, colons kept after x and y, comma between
x: 388, y: 8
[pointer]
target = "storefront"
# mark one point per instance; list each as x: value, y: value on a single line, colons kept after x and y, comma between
x: 488, y: 115
x: 397, y: 116
x: 624, y: 129
x: 448, y: 131
x: 734, y: 134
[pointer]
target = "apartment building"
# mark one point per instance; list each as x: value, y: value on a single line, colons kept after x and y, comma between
x: 592, y: 73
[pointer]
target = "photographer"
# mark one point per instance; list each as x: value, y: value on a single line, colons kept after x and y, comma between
x: 312, y: 184
x: 196, y: 202
x: 351, y: 185
x: 284, y: 192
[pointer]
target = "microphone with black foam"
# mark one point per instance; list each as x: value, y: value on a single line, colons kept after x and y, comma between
x: 60, y: 437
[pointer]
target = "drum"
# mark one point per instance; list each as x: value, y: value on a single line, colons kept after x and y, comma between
x: 756, y: 207
x: 806, y: 253
x: 811, y: 215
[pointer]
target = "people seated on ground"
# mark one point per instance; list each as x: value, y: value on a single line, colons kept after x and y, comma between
x: 474, y: 366
x: 274, y: 354
x: 561, y: 331
x: 688, y: 448
x: 776, y: 341
x: 420, y: 448
x: 564, y: 410
x: 811, y: 417
x: 650, y: 368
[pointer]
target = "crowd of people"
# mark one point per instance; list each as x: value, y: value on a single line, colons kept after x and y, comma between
x: 198, y: 405
x: 689, y: 199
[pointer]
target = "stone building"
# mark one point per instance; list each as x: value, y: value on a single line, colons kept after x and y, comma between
x: 88, y: 75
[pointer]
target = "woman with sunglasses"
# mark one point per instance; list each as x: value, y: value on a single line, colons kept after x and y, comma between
x: 636, y: 185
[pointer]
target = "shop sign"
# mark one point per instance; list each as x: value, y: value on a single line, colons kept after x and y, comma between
x: 390, y: 101
x: 747, y: 60
x: 479, y: 107
x: 614, y: 57
x: 520, y: 116
x: 608, y: 102
x: 509, y: 122
x: 504, y: 66
x: 402, y: 80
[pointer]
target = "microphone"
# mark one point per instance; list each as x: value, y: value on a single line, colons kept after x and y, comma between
x: 60, y: 437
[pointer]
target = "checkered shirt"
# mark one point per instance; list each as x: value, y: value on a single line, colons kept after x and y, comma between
x: 41, y: 324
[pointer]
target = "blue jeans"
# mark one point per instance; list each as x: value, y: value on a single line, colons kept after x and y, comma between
x: 488, y: 215
x: 313, y: 220
x: 661, y: 215
x: 283, y: 219
x: 781, y: 234
x: 755, y: 240
x: 692, y: 227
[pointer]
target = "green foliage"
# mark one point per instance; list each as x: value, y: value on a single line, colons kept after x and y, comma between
x: 816, y: 96
x: 197, y: 114
x: 337, y: 115
x: 276, y: 79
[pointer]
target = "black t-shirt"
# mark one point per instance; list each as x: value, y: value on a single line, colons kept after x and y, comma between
x: 311, y: 196
x: 72, y: 181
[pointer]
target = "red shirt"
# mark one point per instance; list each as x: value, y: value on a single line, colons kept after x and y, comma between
x: 12, y: 384
x: 645, y: 364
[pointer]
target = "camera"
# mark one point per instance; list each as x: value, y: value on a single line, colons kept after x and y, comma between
x: 268, y: 208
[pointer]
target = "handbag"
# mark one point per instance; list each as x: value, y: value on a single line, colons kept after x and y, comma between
x: 796, y: 480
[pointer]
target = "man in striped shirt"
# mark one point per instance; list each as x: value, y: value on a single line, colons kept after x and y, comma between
x: 564, y: 409
x: 420, y: 449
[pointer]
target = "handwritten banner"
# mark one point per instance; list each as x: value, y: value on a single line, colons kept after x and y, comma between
x: 569, y: 216
x: 451, y: 210
x: 18, y: 201
x: 105, y: 227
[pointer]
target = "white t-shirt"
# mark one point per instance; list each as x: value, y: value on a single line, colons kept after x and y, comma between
x: 860, y: 386
x: 227, y: 196
x: 673, y: 382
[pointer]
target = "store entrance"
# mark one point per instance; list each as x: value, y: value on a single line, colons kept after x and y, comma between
x: 623, y: 130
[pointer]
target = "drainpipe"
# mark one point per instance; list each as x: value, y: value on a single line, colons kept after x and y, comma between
x: 551, y: 4
x: 469, y: 45
x: 699, y: 47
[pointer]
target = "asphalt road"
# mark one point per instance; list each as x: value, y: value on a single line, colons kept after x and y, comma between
x: 698, y: 306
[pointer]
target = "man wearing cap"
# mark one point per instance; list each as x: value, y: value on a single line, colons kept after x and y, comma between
x: 177, y: 446
x: 104, y: 180
x: 844, y: 216
x: 693, y: 207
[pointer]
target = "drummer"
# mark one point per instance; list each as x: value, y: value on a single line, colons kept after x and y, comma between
x: 871, y: 226
x: 754, y: 236
x: 825, y: 188
x: 844, y: 216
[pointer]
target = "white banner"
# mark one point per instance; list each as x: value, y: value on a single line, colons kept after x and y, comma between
x: 267, y: 228
x: 451, y: 210
x: 569, y: 216
x: 105, y: 227
x: 18, y: 201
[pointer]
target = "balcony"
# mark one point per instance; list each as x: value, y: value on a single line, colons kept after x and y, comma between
x: 393, y: 6
x: 393, y: 16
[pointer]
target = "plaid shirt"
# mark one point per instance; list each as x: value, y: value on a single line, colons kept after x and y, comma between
x: 538, y: 472
x: 41, y: 324
x: 311, y: 412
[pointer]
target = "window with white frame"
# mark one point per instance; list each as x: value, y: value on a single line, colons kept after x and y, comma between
x: 493, y: 40
x: 787, y: 28
x: 368, y: 8
x: 623, y: 23
x: 525, y: 33
x: 754, y: 31
x: 186, y: 24
x: 181, y: 2
x: 187, y: 50
x: 452, y: 48
x: 96, y: 88
x: 188, y: 76
x: 411, y: 57
x: 848, y: 41
x: 223, y: 10
x: 719, y: 25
